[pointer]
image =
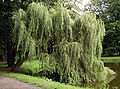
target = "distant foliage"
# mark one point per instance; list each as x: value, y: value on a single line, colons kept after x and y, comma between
x: 108, y: 11
x: 69, y: 48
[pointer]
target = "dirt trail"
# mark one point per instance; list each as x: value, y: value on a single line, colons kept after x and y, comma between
x: 9, y: 83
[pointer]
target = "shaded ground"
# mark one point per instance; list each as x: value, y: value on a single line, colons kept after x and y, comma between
x: 9, y: 83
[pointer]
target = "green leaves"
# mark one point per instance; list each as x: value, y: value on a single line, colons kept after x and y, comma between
x: 62, y: 24
x: 70, y: 48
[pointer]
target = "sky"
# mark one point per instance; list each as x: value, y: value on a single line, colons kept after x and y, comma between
x: 84, y: 2
x: 81, y: 6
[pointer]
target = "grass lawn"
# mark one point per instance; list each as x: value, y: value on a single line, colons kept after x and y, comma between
x: 110, y: 57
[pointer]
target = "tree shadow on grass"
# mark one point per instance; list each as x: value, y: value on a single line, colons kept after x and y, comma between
x: 4, y: 67
x: 3, y: 64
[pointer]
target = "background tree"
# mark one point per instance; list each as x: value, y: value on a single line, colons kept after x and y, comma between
x: 3, y: 34
x: 6, y: 28
x: 108, y: 11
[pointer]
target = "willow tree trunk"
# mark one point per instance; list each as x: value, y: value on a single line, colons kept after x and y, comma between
x: 19, y: 63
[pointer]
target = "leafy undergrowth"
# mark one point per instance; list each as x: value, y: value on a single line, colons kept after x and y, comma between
x: 42, y: 82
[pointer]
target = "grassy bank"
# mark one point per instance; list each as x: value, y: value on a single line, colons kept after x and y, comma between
x: 30, y: 67
x: 42, y: 82
x: 110, y: 59
x: 34, y: 67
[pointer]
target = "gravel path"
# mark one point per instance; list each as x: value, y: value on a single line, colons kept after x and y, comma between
x: 9, y: 83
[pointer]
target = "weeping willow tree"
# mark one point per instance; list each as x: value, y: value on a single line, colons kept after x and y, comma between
x: 72, y: 49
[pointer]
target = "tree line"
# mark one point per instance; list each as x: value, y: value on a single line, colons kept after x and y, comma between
x: 108, y: 11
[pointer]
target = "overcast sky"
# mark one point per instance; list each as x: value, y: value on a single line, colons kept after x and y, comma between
x: 81, y: 6
x: 84, y: 2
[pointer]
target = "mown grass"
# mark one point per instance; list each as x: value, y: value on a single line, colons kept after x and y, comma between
x: 110, y: 57
x: 42, y: 82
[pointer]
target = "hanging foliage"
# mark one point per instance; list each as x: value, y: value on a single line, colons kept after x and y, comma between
x: 89, y: 33
x: 21, y: 36
x: 79, y: 61
x: 61, y: 25
x: 32, y: 28
x: 72, y: 49
x: 40, y: 25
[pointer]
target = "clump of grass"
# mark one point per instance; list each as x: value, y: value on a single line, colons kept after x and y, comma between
x: 42, y: 82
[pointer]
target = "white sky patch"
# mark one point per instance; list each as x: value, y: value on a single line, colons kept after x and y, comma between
x: 81, y: 6
x: 83, y: 3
